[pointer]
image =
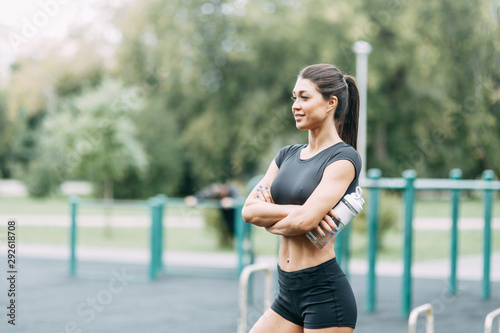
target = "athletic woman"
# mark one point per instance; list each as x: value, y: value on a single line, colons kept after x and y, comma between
x: 297, y: 194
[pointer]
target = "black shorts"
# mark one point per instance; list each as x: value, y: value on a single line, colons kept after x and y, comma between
x: 316, y: 297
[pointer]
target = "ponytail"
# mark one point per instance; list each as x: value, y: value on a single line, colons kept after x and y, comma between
x: 347, y: 126
x: 331, y: 82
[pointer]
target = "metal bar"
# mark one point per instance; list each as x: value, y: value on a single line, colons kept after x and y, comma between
x: 154, y: 237
x: 412, y: 321
x: 488, y: 322
x: 372, y: 217
x: 383, y: 183
x: 488, y: 176
x: 455, y: 205
x: 346, y: 237
x: 244, y: 278
x: 162, y: 199
x: 431, y: 184
x: 240, y: 237
x: 339, y: 249
x: 450, y: 184
x: 114, y: 202
x: 362, y: 50
x: 409, y: 199
x: 72, y: 260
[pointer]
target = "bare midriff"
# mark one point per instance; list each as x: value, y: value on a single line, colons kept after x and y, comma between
x: 297, y: 252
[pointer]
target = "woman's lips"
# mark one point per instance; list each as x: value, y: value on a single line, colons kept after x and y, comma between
x: 298, y: 117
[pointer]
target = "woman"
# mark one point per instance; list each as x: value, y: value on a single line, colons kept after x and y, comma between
x: 296, y: 195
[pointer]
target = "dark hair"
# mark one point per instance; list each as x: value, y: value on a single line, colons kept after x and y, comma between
x: 331, y: 82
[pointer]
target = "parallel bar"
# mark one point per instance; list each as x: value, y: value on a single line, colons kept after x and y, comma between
x: 383, y: 183
x: 372, y: 217
x: 113, y: 202
x: 409, y: 196
x: 163, y: 202
x: 455, y: 205
x: 240, y: 237
x: 412, y: 321
x: 488, y: 176
x: 244, y: 280
x: 431, y: 184
x: 155, y: 238
x: 72, y: 260
x: 450, y: 184
x: 488, y: 322
x: 346, y: 251
x: 339, y: 248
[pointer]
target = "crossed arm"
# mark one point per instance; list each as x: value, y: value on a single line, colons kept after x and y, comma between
x: 293, y: 220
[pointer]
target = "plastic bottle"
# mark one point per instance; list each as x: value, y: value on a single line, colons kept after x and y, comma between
x: 346, y: 209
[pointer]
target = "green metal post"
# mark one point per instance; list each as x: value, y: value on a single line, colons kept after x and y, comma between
x: 488, y: 176
x: 347, y: 249
x: 73, y: 212
x: 155, y: 237
x: 162, y: 199
x: 372, y: 218
x: 455, y: 206
x: 409, y: 200
x: 239, y: 229
x: 339, y: 249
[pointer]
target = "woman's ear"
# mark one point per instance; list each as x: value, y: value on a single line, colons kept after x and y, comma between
x: 332, y: 103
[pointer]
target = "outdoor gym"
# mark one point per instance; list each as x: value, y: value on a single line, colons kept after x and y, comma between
x: 257, y: 166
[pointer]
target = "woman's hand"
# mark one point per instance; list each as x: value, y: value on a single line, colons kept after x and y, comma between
x: 327, y: 224
x: 264, y: 194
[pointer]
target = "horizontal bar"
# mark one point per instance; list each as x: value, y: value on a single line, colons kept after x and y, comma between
x: 432, y: 184
x: 387, y: 183
x: 455, y: 184
x: 114, y: 202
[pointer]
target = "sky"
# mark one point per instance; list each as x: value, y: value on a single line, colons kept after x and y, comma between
x: 27, y: 24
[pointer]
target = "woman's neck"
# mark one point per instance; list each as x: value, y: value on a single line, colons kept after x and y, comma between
x: 321, y: 138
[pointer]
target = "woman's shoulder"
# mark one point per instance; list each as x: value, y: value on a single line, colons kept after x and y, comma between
x: 286, y: 152
x: 345, y: 151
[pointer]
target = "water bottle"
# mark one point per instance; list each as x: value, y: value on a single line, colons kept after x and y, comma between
x: 347, y: 208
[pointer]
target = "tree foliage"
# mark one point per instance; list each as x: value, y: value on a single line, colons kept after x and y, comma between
x: 92, y: 136
x: 215, y: 80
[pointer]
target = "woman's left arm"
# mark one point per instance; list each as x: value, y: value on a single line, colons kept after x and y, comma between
x: 336, y: 179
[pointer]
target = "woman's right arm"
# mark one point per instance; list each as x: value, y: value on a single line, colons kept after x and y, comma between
x: 264, y: 213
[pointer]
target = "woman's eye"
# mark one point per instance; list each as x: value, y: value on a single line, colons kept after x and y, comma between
x: 293, y: 98
x: 305, y: 98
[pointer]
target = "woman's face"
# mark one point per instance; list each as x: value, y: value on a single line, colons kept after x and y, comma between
x: 309, y: 108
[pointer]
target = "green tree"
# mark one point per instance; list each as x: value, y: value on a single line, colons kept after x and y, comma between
x: 223, y: 74
x: 92, y: 135
x: 433, y: 96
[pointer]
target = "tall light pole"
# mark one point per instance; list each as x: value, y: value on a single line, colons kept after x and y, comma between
x: 362, y: 50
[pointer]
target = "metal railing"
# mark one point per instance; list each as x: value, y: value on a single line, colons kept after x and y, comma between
x: 412, y: 320
x: 409, y: 184
x: 157, y: 206
x: 490, y: 317
x: 243, y: 299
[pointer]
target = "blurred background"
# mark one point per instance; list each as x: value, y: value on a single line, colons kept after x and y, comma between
x: 146, y: 97
x: 125, y: 99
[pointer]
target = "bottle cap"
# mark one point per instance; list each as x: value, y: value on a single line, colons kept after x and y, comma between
x: 355, y: 200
